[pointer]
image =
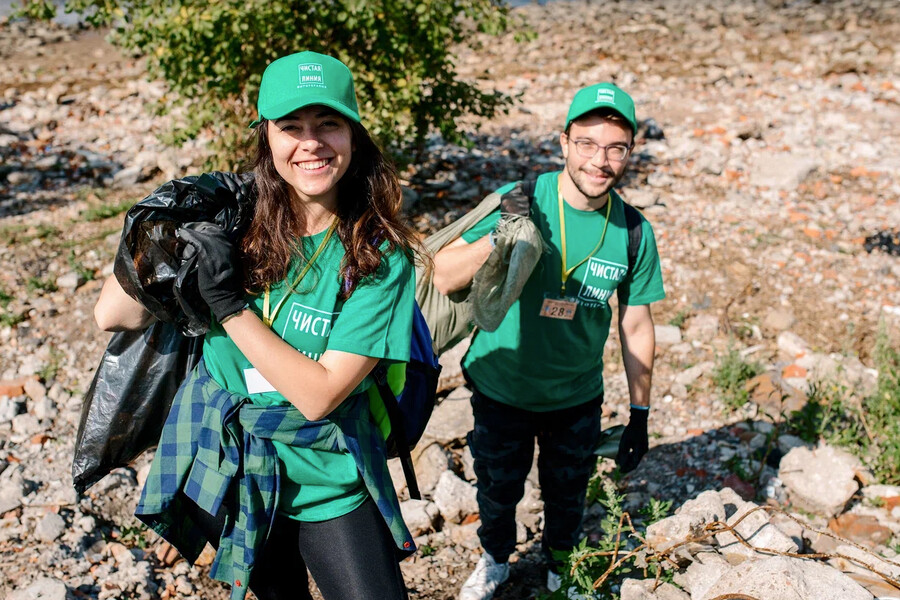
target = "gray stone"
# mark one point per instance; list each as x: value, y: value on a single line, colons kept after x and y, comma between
x: 641, y: 197
x: 50, y: 527
x: 12, y: 489
x: 468, y: 464
x: 692, y: 374
x: 25, y: 424
x: 419, y: 516
x: 792, y: 345
x: 70, y: 281
x: 643, y: 589
x: 452, y: 419
x: 466, y: 535
x: 781, y: 171
x: 35, y: 390
x: 451, y: 369
x: 667, y: 335
x: 410, y: 198
x: 788, y: 442
x: 455, y: 498
x: 430, y: 463
x: 21, y: 177
x: 710, y: 161
x: 45, y: 409
x: 706, y: 569
x: 820, y: 480
x: 46, y: 588
x: 783, y: 578
x: 127, y: 176
x: 702, y: 328
x: 779, y: 319
x: 9, y: 408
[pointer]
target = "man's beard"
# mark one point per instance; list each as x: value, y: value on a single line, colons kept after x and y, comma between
x: 574, y: 175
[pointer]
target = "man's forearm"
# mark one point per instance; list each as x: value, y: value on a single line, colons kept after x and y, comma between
x: 638, y: 345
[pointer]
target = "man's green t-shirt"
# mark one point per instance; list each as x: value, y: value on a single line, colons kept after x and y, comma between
x: 375, y: 321
x: 541, y: 363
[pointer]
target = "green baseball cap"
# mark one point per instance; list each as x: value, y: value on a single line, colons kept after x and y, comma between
x: 602, y: 95
x: 304, y: 79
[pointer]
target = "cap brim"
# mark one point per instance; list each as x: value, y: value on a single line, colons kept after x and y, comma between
x: 610, y: 107
x: 286, y: 108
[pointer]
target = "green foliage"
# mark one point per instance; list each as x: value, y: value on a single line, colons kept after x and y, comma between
x: 588, y: 562
x: 869, y: 426
x: 730, y: 374
x: 51, y: 368
x: 679, y: 318
x: 426, y: 550
x: 105, y: 211
x: 22, y: 233
x: 77, y: 266
x: 212, y: 55
x: 5, y: 298
x: 9, y: 319
x: 35, y: 284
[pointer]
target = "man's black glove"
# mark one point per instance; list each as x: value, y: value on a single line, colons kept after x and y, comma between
x: 218, y: 269
x: 633, y: 445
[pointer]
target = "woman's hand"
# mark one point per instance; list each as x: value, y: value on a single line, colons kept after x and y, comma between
x: 218, y: 268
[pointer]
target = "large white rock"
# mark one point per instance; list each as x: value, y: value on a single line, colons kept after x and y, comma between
x: 452, y: 419
x: 782, y: 171
x: 755, y: 529
x: 667, y: 335
x: 455, y: 498
x: 430, y: 464
x: 820, y: 480
x: 46, y: 588
x: 783, y: 578
x: 419, y: 516
x: 703, y: 573
x: 642, y: 589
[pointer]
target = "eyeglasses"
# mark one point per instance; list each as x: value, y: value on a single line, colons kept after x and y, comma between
x: 614, y: 152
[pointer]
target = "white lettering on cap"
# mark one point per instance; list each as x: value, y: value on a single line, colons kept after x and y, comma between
x: 311, y: 75
x: 605, y: 97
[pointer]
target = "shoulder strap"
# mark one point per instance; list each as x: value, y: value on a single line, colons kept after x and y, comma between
x: 398, y: 430
x: 633, y: 222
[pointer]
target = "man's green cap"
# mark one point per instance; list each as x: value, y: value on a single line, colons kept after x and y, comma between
x: 305, y: 79
x: 602, y: 95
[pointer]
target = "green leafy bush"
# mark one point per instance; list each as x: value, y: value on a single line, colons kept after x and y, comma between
x: 867, y: 426
x: 731, y: 373
x: 212, y: 55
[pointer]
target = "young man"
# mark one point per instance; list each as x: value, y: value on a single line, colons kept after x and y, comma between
x: 540, y: 374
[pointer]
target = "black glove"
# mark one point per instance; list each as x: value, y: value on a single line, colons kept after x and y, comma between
x: 218, y: 269
x: 633, y: 445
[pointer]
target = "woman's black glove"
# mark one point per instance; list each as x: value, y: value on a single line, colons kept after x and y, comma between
x: 218, y: 268
x: 634, y: 444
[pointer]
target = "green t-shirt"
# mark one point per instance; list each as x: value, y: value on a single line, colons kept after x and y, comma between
x: 540, y: 363
x: 375, y: 321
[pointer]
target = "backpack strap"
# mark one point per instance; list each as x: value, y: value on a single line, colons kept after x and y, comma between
x: 398, y: 430
x: 633, y: 223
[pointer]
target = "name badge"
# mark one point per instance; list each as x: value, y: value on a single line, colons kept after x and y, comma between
x: 256, y: 383
x: 558, y: 308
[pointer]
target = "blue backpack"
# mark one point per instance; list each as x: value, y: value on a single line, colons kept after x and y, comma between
x: 408, y: 392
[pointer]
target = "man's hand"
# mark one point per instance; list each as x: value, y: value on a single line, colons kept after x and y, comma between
x: 218, y: 269
x: 634, y: 442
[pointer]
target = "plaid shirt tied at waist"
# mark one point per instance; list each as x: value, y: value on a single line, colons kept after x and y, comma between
x: 212, y: 437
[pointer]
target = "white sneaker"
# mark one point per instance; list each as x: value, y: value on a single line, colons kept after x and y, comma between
x: 485, y: 579
x: 554, y: 582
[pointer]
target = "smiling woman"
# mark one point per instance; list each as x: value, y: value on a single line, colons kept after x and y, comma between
x: 317, y: 292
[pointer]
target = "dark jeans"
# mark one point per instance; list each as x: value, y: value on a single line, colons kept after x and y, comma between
x: 352, y: 556
x: 502, y: 445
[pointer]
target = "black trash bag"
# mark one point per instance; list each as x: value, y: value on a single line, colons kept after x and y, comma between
x: 148, y: 263
x: 129, y: 399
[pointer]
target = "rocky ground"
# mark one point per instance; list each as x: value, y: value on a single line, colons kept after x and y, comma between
x: 768, y: 155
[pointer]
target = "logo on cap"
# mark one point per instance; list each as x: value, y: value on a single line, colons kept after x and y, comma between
x: 605, y: 97
x: 311, y: 75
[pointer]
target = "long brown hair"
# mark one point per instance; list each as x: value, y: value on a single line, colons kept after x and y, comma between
x: 368, y: 212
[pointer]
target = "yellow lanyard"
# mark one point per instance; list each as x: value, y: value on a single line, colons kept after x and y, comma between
x: 562, y: 229
x: 269, y: 319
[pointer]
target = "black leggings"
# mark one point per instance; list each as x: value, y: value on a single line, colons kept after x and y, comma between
x: 350, y: 557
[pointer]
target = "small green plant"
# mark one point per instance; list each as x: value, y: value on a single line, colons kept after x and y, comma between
x: 10, y: 319
x: 867, y: 426
x: 76, y: 265
x: 736, y: 465
x: 34, y: 284
x: 679, y: 318
x: 105, y: 211
x: 587, y: 563
x: 5, y: 298
x: 20, y: 233
x: 731, y: 373
x: 134, y: 536
x: 427, y: 550
x: 51, y: 368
